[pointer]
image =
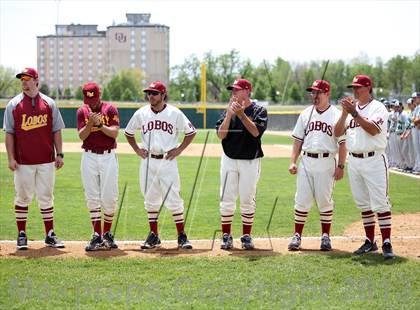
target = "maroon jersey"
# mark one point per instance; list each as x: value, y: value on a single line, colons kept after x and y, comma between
x: 97, y: 140
x: 33, y: 121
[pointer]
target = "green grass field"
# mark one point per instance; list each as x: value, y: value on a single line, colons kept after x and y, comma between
x: 71, y: 135
x: 312, y: 281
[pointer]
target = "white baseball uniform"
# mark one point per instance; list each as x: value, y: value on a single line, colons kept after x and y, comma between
x: 315, y: 177
x: 159, y: 134
x: 416, y: 139
x: 99, y: 166
x: 367, y: 163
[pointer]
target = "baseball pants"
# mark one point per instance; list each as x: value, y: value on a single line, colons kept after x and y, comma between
x: 238, y: 177
x: 369, y: 182
x: 35, y: 178
x: 100, y: 180
x: 155, y: 179
x: 315, y: 180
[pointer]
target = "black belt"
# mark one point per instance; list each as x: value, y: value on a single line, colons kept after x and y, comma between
x: 316, y: 155
x: 98, y: 151
x: 362, y: 155
x: 157, y: 156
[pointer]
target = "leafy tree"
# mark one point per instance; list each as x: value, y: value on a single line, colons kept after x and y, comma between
x: 105, y: 94
x: 9, y: 85
x: 79, y: 93
x: 67, y: 93
x: 44, y: 89
x: 397, y: 73
x: 295, y: 94
x: 127, y: 95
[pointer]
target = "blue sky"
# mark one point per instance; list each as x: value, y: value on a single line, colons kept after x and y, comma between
x: 298, y: 31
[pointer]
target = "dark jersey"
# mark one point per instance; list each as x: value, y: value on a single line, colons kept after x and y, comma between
x: 97, y: 140
x: 239, y: 143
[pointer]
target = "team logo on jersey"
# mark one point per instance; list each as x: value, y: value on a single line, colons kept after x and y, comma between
x: 319, y: 126
x: 158, y: 125
x: 34, y: 121
x: 90, y: 94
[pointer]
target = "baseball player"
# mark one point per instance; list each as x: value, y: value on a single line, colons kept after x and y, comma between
x: 406, y: 137
x: 318, y: 169
x: 160, y: 125
x: 98, y: 124
x: 240, y: 128
x: 416, y: 130
x: 401, y: 146
x: 392, y: 138
x: 33, y: 124
x: 367, y: 163
x: 387, y: 105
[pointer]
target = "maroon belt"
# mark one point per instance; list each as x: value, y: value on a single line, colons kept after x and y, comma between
x: 157, y: 156
x: 316, y: 155
x: 98, y: 151
x: 362, y: 155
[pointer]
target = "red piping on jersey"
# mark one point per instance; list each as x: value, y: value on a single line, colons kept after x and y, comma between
x: 361, y: 108
x: 320, y: 112
x: 156, y: 112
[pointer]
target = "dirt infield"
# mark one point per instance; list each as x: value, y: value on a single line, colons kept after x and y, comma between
x: 406, y: 242
x: 212, y: 150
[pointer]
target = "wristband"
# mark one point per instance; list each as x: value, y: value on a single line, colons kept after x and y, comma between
x: 354, y: 114
x: 100, y: 125
x: 60, y: 155
x: 341, y: 166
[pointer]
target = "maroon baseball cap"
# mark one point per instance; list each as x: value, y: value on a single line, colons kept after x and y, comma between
x: 360, y: 81
x: 320, y: 85
x: 29, y: 72
x: 91, y: 93
x: 156, y: 86
x: 240, y: 84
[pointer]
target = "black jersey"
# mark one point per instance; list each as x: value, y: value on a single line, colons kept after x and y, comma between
x: 239, y: 143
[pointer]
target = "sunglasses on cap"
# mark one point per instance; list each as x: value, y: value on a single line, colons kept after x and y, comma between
x: 25, y: 78
x: 152, y: 93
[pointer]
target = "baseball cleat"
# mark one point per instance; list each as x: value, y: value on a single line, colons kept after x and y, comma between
x: 94, y: 244
x: 151, y: 242
x: 53, y: 241
x: 247, y: 242
x: 294, y: 245
x: 22, y: 241
x: 108, y: 241
x: 325, y: 243
x: 183, y: 242
x: 366, y: 248
x: 387, y: 250
x: 227, y: 242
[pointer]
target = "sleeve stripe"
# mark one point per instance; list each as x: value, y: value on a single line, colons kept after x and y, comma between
x: 342, y: 141
x: 190, y: 133
x: 297, y: 138
x: 129, y: 134
x: 377, y: 125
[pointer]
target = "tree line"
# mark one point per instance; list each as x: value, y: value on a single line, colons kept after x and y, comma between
x: 280, y: 81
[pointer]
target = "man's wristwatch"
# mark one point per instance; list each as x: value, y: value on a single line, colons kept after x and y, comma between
x: 60, y: 155
x: 354, y: 114
x: 341, y: 166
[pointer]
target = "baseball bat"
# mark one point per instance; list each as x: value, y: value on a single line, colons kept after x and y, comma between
x: 269, y: 222
x: 147, y: 163
x: 196, y: 177
x: 119, y: 209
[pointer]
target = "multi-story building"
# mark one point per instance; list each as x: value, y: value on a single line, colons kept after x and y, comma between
x: 77, y: 54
